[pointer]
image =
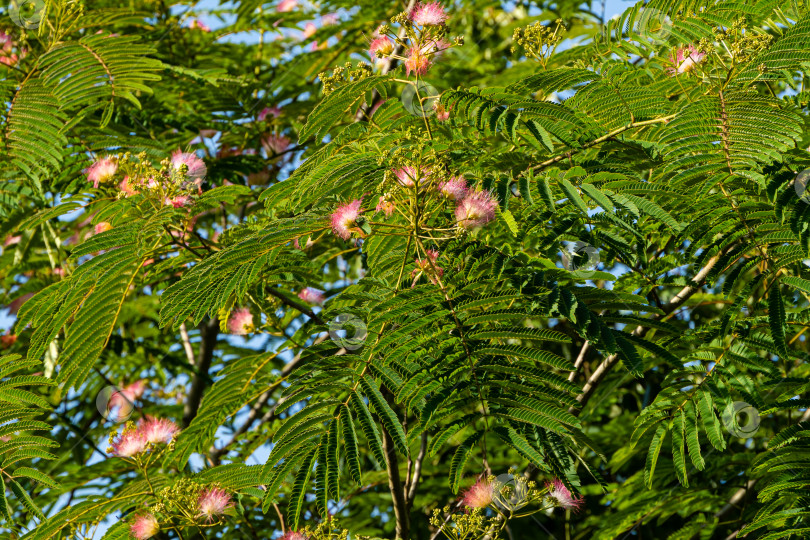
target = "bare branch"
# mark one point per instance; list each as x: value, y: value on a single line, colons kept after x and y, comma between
x: 209, y: 332
x: 187, y: 344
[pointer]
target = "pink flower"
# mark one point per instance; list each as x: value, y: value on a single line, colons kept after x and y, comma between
x: 561, y: 496
x: 312, y: 296
x: 102, y: 227
x: 101, y: 171
x: 129, y: 443
x: 309, y: 30
x: 479, y: 495
x: 455, y: 188
x: 178, y: 202
x: 11, y: 240
x: 196, y: 166
x: 436, y: 46
x: 197, y: 23
x: 432, y: 254
x: 275, y: 112
x: 135, y: 390
x: 128, y: 187
x: 213, y: 501
x: 382, y: 45
x: 294, y: 535
x: 6, y: 45
x: 431, y: 14
x: 424, y: 266
x: 59, y: 271
x: 442, y: 113
x: 240, y: 322
x: 685, y: 60
x: 119, y: 407
x: 157, y: 430
x: 329, y: 19
x: 407, y: 176
x: 144, y: 526
x: 275, y: 144
x: 476, y: 210
x: 286, y: 5
x: 417, y: 61
x: 343, y: 219
x: 385, y: 206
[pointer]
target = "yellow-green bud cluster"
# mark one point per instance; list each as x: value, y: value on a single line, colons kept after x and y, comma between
x: 344, y: 74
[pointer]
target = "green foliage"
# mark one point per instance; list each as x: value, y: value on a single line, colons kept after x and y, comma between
x: 625, y: 271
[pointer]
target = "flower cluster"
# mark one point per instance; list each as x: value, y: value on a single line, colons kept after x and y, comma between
x: 184, y: 503
x: 275, y: 144
x: 479, y: 495
x: 294, y: 535
x: 148, y: 434
x: 684, y: 60
x: 175, y: 184
x: 144, y: 526
x: 503, y: 498
x: 240, y: 322
x: 344, y: 74
x: 121, y: 401
x: 425, y: 31
x: 473, y: 208
x: 345, y: 219
x: 267, y: 112
x: 538, y: 41
x: 213, y: 502
x: 7, y: 54
x: 476, y: 209
x: 740, y: 43
x: 442, y: 112
x: 102, y: 171
x: 561, y: 496
x: 512, y: 492
x: 454, y: 189
x: 428, y: 267
x: 312, y: 296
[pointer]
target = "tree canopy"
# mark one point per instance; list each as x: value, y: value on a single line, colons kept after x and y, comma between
x: 422, y: 270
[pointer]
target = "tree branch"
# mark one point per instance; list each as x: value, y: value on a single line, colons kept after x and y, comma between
x: 678, y: 300
x: 214, y: 454
x: 417, y: 471
x: 209, y: 332
x: 395, y: 486
x: 289, y: 302
x: 187, y: 344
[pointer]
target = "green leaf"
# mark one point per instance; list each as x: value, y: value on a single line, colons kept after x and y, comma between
x: 652, y: 455
x: 387, y: 415
x: 573, y: 195
x: 369, y: 428
x: 460, y: 457
x: 776, y: 318
x: 352, y: 453
x: 678, y: 450
x: 298, y: 493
